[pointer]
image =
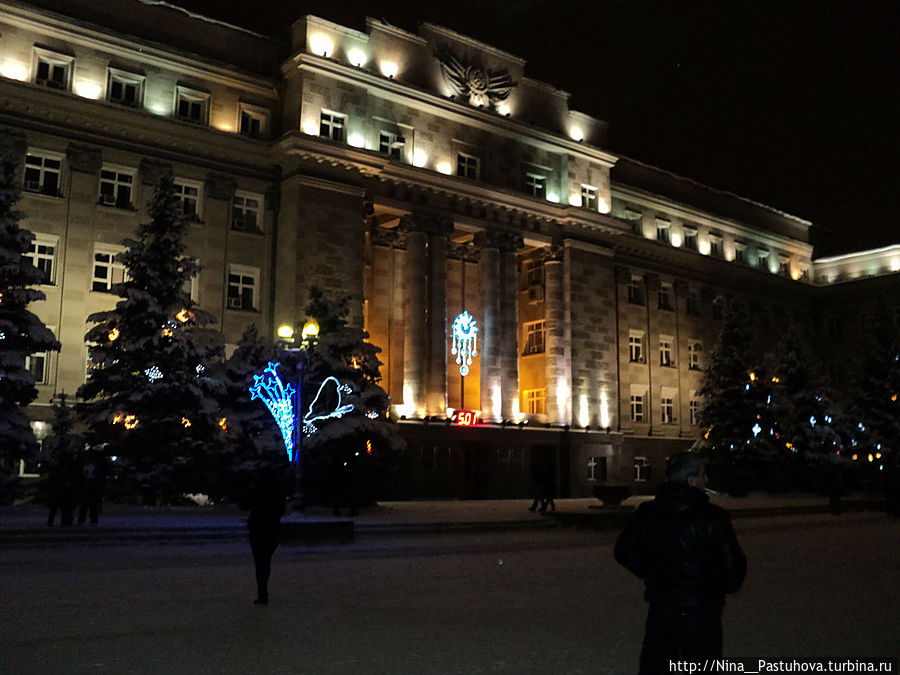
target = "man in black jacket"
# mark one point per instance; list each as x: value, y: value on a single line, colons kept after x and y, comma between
x: 686, y: 551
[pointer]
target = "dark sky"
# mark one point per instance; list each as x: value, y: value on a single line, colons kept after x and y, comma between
x: 794, y: 103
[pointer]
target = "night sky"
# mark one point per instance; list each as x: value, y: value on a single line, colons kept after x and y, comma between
x: 793, y: 103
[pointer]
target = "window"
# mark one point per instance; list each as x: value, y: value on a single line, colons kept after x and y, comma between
x: 534, y: 273
x: 535, y: 401
x: 589, y: 197
x: 534, y: 337
x: 107, y: 271
x: 693, y: 303
x: 666, y: 357
x: 636, y: 346
x: 246, y: 212
x: 740, y: 253
x: 695, y: 349
x: 636, y: 220
x: 715, y: 245
x: 694, y: 407
x: 467, y: 166
x: 762, y: 260
x: 43, y: 172
x: 690, y: 238
x: 125, y: 89
x: 667, y: 405
x: 636, y: 291
x: 784, y: 267
x: 331, y: 125
x: 254, y: 122
x: 242, y: 287
x: 36, y: 364
x: 665, y: 296
x: 42, y: 254
x: 663, y: 231
x: 116, y: 186
x: 391, y: 144
x: 536, y: 185
x: 52, y: 70
x: 191, y: 105
x: 596, y: 469
x: 641, y: 469
x: 637, y: 405
x: 189, y: 194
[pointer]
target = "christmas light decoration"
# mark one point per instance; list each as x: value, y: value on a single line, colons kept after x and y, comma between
x: 131, y: 422
x: 200, y: 368
x: 183, y: 316
x: 153, y: 373
x: 310, y: 418
x: 465, y: 341
x: 185, y: 422
x: 2, y: 335
x: 279, y: 399
x: 756, y: 429
x: 223, y: 424
x: 113, y: 335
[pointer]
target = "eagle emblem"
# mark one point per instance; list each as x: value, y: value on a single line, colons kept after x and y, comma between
x: 482, y: 88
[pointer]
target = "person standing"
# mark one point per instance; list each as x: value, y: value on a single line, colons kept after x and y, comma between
x: 265, y: 499
x: 92, y: 485
x: 687, y: 553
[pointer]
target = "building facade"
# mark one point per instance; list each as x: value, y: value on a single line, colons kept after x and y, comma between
x: 427, y: 177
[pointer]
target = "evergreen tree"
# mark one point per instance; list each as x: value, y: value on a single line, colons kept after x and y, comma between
x: 151, y: 398
x: 21, y: 332
x: 351, y: 454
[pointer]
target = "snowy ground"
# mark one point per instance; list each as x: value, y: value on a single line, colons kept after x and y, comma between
x: 528, y: 602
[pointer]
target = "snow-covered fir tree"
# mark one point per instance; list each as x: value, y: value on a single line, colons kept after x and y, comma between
x: 22, y: 334
x: 152, y: 398
x: 344, y: 458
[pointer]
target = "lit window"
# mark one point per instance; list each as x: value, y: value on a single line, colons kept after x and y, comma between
x: 42, y: 254
x: 36, y: 364
x: 663, y: 231
x: 116, y: 187
x: 690, y: 238
x: 641, y: 469
x: 331, y: 125
x: 52, y: 70
x: 246, y: 212
x: 715, y: 245
x: 254, y: 121
x: 636, y: 346
x: 391, y: 144
x: 125, y: 89
x: 189, y: 194
x: 536, y: 185
x: 636, y: 291
x: 191, y: 105
x: 666, y: 357
x: 589, y: 197
x: 42, y: 172
x: 243, y: 283
x: 535, y: 401
x: 665, y: 296
x: 596, y: 469
x: 467, y: 166
x: 534, y: 337
x: 695, y: 349
x: 107, y: 271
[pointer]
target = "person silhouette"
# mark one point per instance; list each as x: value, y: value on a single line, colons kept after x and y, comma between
x: 265, y: 499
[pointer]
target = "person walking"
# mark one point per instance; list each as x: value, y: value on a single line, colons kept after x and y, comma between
x: 687, y: 553
x: 265, y: 500
x: 92, y: 485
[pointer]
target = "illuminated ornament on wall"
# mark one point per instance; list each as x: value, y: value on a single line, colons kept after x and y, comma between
x: 131, y: 422
x: 329, y: 384
x: 200, y: 368
x: 113, y: 335
x: 481, y: 87
x: 465, y: 341
x: 153, y: 373
x: 279, y: 399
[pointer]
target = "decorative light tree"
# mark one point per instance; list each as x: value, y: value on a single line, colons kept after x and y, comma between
x: 21, y: 332
x: 151, y: 397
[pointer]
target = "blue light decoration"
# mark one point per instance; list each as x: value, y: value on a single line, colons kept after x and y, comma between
x: 756, y: 429
x: 310, y: 418
x: 465, y: 341
x: 279, y: 399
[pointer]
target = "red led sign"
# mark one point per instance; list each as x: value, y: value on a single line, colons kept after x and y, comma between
x: 467, y: 418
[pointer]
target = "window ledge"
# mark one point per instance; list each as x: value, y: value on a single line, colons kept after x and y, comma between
x: 42, y: 194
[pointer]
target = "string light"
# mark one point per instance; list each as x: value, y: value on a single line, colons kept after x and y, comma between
x: 131, y: 422
x: 279, y: 399
x: 339, y: 411
x: 153, y: 373
x: 113, y: 334
x: 223, y: 424
x: 185, y: 422
x: 183, y: 316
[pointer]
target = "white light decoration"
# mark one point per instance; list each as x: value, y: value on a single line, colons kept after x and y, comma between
x: 321, y: 45
x: 357, y: 57
x: 465, y: 341
x: 87, y: 89
x: 200, y: 368
x: 389, y: 69
x: 310, y: 418
x: 372, y: 414
x: 756, y: 429
x: 279, y: 399
x: 2, y: 335
x: 153, y: 373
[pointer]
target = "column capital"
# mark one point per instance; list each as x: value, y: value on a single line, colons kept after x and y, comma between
x: 509, y: 242
x: 429, y: 223
x: 394, y: 237
x: 553, y: 253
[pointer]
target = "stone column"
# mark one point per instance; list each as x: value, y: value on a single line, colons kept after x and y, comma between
x: 508, y: 348
x: 489, y: 337
x: 558, y: 367
x: 415, y: 339
x: 438, y: 229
